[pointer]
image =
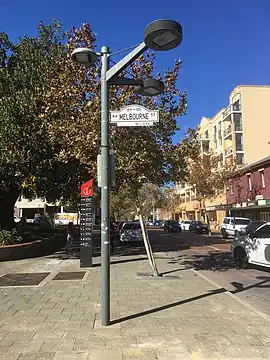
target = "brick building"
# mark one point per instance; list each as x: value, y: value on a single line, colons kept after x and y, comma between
x: 248, y: 193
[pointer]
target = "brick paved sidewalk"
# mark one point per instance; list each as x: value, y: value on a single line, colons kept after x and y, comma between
x: 168, y: 318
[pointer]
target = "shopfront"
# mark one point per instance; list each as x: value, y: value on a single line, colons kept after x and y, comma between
x: 254, y: 210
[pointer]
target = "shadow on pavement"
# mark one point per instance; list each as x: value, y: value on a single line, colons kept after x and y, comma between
x: 215, y: 261
x: 239, y: 287
x: 168, y: 306
x: 172, y: 271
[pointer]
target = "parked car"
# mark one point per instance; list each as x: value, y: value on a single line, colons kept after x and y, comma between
x: 253, y: 226
x: 199, y: 227
x: 231, y: 226
x: 157, y: 223
x: 185, y: 225
x: 172, y: 225
x: 118, y: 228
x: 253, y: 247
x: 131, y: 231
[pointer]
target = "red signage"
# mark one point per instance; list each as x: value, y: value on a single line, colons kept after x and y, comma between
x: 87, y: 189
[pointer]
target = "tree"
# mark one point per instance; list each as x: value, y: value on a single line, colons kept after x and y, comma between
x: 170, y: 200
x: 144, y: 155
x: 29, y: 161
x: 50, y: 120
x: 208, y: 176
x: 121, y: 204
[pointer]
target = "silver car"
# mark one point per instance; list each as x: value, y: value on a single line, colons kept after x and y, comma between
x: 131, y: 231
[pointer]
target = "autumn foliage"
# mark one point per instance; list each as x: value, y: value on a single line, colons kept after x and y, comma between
x: 50, y: 119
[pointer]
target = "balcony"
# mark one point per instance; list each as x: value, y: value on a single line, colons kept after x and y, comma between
x: 228, y: 151
x: 227, y: 132
x: 231, y: 109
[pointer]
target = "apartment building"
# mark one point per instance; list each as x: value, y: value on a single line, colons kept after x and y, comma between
x: 239, y: 131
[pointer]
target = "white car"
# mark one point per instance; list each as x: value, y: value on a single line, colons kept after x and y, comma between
x: 185, y: 225
x: 232, y: 225
x: 253, y: 247
x: 131, y: 231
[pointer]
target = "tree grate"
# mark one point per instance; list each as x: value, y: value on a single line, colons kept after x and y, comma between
x: 68, y: 275
x: 22, y: 279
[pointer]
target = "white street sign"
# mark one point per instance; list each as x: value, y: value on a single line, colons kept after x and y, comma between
x: 134, y: 115
x: 134, y: 123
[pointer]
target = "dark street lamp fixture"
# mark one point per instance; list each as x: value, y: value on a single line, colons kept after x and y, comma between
x: 84, y: 56
x: 163, y: 35
x: 151, y: 87
x: 160, y: 35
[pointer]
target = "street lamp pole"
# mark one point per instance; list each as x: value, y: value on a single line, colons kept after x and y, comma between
x: 105, y: 190
x: 160, y: 35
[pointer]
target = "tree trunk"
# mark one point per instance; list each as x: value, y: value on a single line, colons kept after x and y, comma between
x: 7, y: 203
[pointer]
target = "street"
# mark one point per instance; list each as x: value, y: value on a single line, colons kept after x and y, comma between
x: 210, y: 255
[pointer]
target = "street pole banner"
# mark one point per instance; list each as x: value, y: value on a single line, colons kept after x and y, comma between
x: 86, y: 224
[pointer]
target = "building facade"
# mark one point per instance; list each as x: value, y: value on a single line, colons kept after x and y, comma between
x: 238, y: 132
x: 248, y: 193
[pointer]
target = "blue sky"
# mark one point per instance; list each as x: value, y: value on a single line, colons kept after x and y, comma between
x: 225, y: 42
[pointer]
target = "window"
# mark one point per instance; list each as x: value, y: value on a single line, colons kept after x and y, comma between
x: 236, y: 105
x: 231, y: 188
x: 226, y: 221
x: 206, y: 135
x: 219, y: 133
x: 241, y: 221
x: 261, y: 171
x: 265, y: 216
x: 264, y: 232
x: 132, y: 226
x: 239, y: 141
x: 237, y: 119
x: 239, y: 159
x: 249, y: 182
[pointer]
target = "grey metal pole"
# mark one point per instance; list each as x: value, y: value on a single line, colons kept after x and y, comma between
x: 105, y: 191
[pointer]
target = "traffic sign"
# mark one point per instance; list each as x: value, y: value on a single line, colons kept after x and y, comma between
x: 134, y: 115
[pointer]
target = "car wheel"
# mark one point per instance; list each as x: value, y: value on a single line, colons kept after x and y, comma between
x: 224, y: 234
x: 240, y: 258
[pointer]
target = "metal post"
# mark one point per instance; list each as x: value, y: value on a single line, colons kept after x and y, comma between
x: 105, y: 191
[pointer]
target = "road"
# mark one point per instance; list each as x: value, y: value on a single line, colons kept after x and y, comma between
x: 211, y: 257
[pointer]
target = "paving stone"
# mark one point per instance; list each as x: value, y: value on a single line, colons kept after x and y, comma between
x: 20, y: 335
x: 37, y: 356
x: 50, y: 334
x: 6, y: 344
x: 139, y: 354
x: 81, y: 355
x: 172, y: 319
x: 56, y: 345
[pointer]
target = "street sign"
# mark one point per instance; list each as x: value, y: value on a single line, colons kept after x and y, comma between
x: 134, y: 115
x: 87, y: 189
x: 86, y: 224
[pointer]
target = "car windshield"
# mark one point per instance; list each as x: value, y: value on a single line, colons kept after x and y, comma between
x: 253, y: 226
x: 186, y: 222
x: 120, y: 224
x: 132, y: 226
x: 241, y: 221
